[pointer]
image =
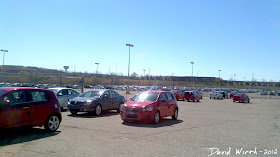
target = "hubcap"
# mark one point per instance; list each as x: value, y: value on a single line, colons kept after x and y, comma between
x: 53, y: 123
x: 98, y: 110
x: 176, y: 113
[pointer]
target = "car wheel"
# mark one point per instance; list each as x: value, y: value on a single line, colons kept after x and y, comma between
x: 197, y: 100
x: 52, y: 123
x: 210, y: 97
x: 193, y: 100
x: 156, y: 118
x: 233, y: 101
x: 73, y: 112
x: 119, y: 109
x: 188, y: 100
x: 98, y: 110
x: 175, y: 116
x: 248, y: 101
x: 242, y: 101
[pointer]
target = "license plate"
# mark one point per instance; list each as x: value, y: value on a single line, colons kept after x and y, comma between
x: 130, y: 113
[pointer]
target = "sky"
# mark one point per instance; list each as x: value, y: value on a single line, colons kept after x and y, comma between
x: 239, y: 37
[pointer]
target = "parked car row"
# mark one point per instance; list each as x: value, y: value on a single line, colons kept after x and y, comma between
x: 187, y: 95
x: 25, y: 106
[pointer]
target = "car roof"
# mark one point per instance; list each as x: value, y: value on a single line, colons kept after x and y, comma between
x: 8, y: 89
x: 59, y: 88
x: 99, y: 90
x: 154, y: 91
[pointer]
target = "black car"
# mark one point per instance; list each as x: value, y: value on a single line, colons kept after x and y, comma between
x: 225, y: 94
x: 96, y: 101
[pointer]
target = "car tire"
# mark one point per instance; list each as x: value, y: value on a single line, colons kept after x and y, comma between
x: 98, y: 110
x: 175, y: 115
x: 119, y: 109
x: 197, y: 100
x: 233, y: 101
x: 210, y: 98
x: 188, y: 100
x: 193, y: 100
x: 156, y: 117
x: 248, y: 101
x: 52, y: 123
x: 74, y: 112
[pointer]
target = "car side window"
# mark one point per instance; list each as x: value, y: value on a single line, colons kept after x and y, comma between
x: 114, y: 94
x: 107, y: 93
x: 162, y: 96
x: 169, y: 96
x: 16, y: 97
x: 64, y: 91
x: 38, y: 96
x: 71, y: 92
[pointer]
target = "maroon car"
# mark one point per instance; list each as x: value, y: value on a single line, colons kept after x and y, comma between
x: 179, y: 95
x: 241, y: 97
x: 192, y: 96
x: 29, y: 107
x: 150, y: 106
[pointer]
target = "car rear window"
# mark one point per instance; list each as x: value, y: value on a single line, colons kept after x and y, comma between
x: 39, y: 96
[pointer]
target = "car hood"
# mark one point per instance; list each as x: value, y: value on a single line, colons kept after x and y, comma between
x: 82, y: 99
x: 137, y: 104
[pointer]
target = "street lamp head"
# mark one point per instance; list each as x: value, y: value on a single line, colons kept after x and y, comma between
x: 4, y: 50
x: 192, y: 62
x: 130, y: 45
x: 96, y: 63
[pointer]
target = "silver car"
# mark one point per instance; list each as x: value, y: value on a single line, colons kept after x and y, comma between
x: 64, y: 95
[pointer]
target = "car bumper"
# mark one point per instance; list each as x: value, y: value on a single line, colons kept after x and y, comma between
x: 82, y: 108
x: 140, y: 116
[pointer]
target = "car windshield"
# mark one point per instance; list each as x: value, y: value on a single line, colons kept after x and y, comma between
x: 150, y: 97
x: 92, y: 94
x: 2, y: 92
x: 238, y: 94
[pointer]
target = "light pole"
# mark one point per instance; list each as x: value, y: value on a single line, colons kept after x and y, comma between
x: 192, y: 70
x: 144, y: 77
x: 219, y: 73
x: 4, y: 57
x: 129, y: 45
x: 96, y: 67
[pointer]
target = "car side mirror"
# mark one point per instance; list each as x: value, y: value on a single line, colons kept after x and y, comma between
x: 5, y: 102
x: 163, y: 100
x: 59, y: 94
x: 105, y: 96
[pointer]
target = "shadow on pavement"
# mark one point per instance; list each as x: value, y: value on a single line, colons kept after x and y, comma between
x: 162, y: 123
x: 20, y: 135
x: 92, y: 115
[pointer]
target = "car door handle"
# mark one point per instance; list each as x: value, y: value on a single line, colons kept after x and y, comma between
x: 26, y: 107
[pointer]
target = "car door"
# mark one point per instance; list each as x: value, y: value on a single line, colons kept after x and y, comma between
x: 163, y: 105
x: 116, y: 99
x: 39, y: 105
x: 107, y: 103
x: 171, y: 104
x: 15, y: 110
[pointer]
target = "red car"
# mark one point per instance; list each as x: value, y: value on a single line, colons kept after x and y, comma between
x: 29, y: 107
x: 241, y: 97
x: 150, y: 106
x: 191, y: 96
x: 178, y: 94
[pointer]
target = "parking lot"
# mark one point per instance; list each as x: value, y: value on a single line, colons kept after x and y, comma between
x: 201, y: 127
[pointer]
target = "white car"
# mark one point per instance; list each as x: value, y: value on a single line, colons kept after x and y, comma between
x: 64, y: 95
x: 216, y: 95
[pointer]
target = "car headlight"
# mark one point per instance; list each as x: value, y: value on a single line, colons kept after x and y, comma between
x: 88, y: 102
x: 145, y: 109
x: 123, y: 108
